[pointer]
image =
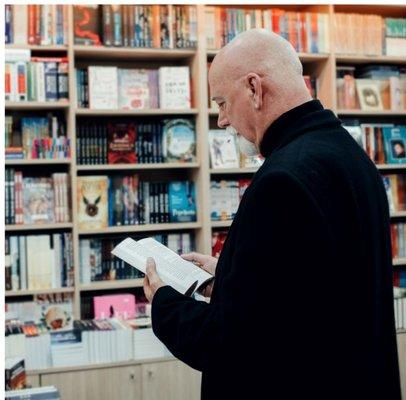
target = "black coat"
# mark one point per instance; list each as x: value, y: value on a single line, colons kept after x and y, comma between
x: 302, y: 305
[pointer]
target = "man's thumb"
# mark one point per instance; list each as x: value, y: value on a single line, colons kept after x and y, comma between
x: 151, y: 268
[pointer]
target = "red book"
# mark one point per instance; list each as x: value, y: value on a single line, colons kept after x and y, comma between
x: 121, y: 144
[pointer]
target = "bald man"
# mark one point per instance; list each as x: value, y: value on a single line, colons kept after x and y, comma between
x: 301, y: 304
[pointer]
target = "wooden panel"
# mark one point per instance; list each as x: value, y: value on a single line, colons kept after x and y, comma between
x: 120, y: 383
x: 402, y: 361
x: 172, y: 380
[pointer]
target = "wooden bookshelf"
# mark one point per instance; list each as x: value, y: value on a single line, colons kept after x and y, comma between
x: 321, y: 65
x: 149, y: 166
x: 31, y: 292
x: 399, y: 261
x: 50, y: 48
x: 45, y: 161
x: 39, y: 227
x: 142, y: 228
x: 116, y: 284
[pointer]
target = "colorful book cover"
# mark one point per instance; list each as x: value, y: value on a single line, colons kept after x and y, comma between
x: 134, y: 89
x: 121, y: 143
x: 223, y: 149
x: 114, y: 306
x: 179, y: 141
x: 92, y: 202
x: 395, y: 144
x: 182, y: 201
x: 86, y: 20
x: 38, y: 197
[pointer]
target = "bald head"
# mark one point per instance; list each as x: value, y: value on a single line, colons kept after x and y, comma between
x: 260, y: 51
x: 255, y: 78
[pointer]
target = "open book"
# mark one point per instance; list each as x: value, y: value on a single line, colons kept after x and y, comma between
x: 182, y: 275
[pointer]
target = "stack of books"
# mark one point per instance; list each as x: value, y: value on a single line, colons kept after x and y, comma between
x: 154, y: 26
x: 150, y: 141
x: 112, y: 88
x: 35, y: 78
x: 24, y: 269
x: 36, y: 200
x: 125, y: 200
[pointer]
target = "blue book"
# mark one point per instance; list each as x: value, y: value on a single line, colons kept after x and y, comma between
x: 182, y: 201
x: 395, y: 144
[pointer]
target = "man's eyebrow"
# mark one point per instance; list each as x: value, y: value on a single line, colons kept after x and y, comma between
x: 215, y: 98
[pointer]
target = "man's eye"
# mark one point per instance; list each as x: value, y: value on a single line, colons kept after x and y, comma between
x: 221, y: 105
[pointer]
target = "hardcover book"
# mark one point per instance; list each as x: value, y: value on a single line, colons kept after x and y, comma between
x: 103, y: 88
x: 223, y: 149
x: 121, y: 143
x: 174, y: 87
x: 395, y: 144
x: 114, y: 306
x: 86, y: 20
x: 182, y: 201
x: 38, y: 197
x: 179, y: 141
x: 92, y: 202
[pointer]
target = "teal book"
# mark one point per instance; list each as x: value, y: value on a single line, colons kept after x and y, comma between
x: 182, y: 201
x: 395, y: 144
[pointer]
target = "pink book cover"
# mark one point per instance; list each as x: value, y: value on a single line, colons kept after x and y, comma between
x: 114, y: 306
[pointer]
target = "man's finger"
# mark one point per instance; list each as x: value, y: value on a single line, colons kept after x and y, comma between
x: 195, y: 257
x: 151, y: 268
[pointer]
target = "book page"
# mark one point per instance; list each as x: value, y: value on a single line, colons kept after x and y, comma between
x: 173, y: 269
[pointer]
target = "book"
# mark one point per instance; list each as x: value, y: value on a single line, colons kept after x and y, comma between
x: 136, y: 89
x: 38, y: 200
x: 121, y: 143
x: 92, y: 202
x: 174, y: 88
x: 114, y: 306
x: 15, y: 378
x: 223, y: 149
x: 182, y: 201
x: 182, y: 275
x: 86, y: 20
x: 103, y: 87
x: 179, y: 140
x: 369, y: 95
x: 395, y: 144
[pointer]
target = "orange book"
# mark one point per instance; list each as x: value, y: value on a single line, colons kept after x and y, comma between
x: 156, y: 29
x: 394, y: 239
x: 394, y: 189
x: 401, y: 190
x: 31, y: 24
x: 303, y: 33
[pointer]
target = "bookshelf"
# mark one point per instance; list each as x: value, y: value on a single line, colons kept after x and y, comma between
x: 323, y: 66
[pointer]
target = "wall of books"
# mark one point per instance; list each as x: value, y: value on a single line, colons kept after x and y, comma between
x: 110, y: 132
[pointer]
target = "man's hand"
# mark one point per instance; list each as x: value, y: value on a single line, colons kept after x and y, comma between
x: 152, y: 281
x: 208, y: 263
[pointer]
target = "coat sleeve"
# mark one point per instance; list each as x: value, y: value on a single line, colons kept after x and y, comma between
x: 197, y: 332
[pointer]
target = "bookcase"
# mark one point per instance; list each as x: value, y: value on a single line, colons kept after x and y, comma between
x: 323, y: 66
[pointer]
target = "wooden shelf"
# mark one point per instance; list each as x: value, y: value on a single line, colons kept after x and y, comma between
x: 125, y: 53
x: 158, y: 111
x: 35, y: 105
x: 372, y: 113
x: 50, y: 161
x: 354, y: 59
x: 47, y: 48
x: 304, y: 57
x: 390, y: 166
x: 143, y: 228
x: 221, y: 224
x: 117, y: 284
x: 399, y: 261
x: 37, y: 227
x: 398, y: 214
x: 113, y: 167
x: 31, y: 292
x: 219, y: 171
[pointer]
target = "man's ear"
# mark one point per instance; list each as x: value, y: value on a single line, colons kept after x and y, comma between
x: 254, y: 84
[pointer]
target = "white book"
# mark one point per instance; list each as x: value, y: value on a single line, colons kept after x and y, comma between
x: 40, y: 76
x: 14, y: 55
x: 174, y: 87
x: 23, y: 262
x: 223, y: 149
x: 20, y: 23
x: 182, y: 275
x: 103, y: 88
x: 133, y: 89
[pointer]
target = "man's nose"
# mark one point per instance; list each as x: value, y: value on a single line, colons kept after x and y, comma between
x: 222, y: 121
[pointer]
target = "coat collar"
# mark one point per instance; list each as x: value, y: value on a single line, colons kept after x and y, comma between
x: 292, y: 123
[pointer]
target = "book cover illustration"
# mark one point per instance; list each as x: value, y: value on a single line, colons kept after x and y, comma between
x: 38, y: 197
x: 121, y: 144
x: 395, y: 144
x: 92, y: 202
x: 86, y: 25
x: 223, y: 149
x: 179, y: 141
x: 114, y: 306
x: 182, y: 201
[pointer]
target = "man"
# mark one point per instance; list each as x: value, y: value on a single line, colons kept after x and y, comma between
x: 302, y: 304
